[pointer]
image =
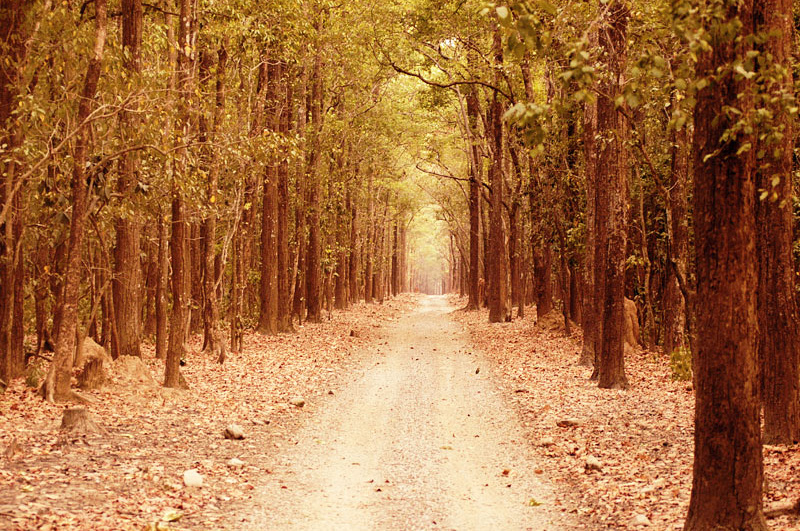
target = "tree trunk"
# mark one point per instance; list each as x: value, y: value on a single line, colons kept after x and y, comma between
x: 284, y: 318
x: 728, y: 469
x: 268, y: 318
x: 299, y: 299
x: 475, y: 180
x: 314, y: 255
x: 178, y: 247
x: 13, y: 21
x: 675, y: 307
x: 498, y: 281
x: 57, y: 385
x: 161, y: 290
x: 211, y: 326
x: 779, y: 335
x: 611, y: 206
x: 127, y: 279
x: 355, y: 247
x: 591, y: 324
x: 542, y: 271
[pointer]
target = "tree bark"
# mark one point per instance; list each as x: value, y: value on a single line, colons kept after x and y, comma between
x: 475, y: 180
x: 314, y: 255
x: 675, y: 307
x: 778, y: 325
x: 268, y: 318
x: 284, y: 318
x: 178, y: 248
x: 497, y: 263
x: 57, y: 385
x: 591, y: 324
x: 611, y: 205
x: 13, y: 32
x: 127, y: 279
x: 211, y: 326
x: 728, y: 469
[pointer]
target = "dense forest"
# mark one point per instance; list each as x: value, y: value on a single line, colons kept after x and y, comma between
x: 189, y: 167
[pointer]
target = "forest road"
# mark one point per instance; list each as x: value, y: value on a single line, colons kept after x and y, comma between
x: 417, y: 440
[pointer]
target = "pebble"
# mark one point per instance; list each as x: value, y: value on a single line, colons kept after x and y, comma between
x: 640, y: 520
x: 297, y: 401
x: 192, y: 478
x: 234, y: 431
x: 546, y: 441
x: 593, y: 463
x: 235, y: 463
x: 567, y: 423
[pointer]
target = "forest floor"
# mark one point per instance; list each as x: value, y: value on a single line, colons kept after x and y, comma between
x: 642, y: 438
x: 417, y: 416
x: 131, y: 476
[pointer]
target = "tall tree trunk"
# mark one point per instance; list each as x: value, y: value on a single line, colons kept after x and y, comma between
x: 268, y: 318
x: 284, y: 318
x: 542, y: 272
x: 728, y: 468
x: 299, y: 299
x: 13, y: 32
x: 369, y: 285
x: 591, y: 324
x: 57, y: 384
x: 475, y: 181
x: 178, y: 248
x: 611, y: 205
x: 314, y: 255
x: 162, y: 280
x: 497, y: 273
x: 355, y: 247
x: 211, y: 326
x: 779, y: 332
x: 675, y: 307
x: 127, y: 279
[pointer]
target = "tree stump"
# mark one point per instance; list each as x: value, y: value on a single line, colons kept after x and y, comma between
x: 76, y: 419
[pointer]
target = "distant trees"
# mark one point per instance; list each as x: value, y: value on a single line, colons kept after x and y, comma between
x: 209, y: 166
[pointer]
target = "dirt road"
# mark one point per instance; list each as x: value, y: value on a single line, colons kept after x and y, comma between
x: 417, y: 440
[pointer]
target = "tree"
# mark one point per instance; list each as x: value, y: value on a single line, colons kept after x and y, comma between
x: 127, y: 279
x: 778, y: 319
x: 611, y: 202
x: 178, y: 245
x: 14, y: 23
x: 57, y: 385
x: 499, y: 310
x: 728, y: 470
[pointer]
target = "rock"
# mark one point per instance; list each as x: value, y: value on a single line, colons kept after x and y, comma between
x: 546, y: 441
x: 593, y: 463
x: 192, y: 478
x: 297, y: 401
x: 234, y: 431
x: 235, y: 463
x: 258, y: 422
x: 568, y: 423
x: 640, y: 520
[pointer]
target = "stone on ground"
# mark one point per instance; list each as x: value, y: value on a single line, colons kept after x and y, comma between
x: 192, y: 478
x: 234, y: 431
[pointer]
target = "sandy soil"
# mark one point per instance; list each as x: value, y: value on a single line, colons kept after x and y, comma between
x: 419, y: 439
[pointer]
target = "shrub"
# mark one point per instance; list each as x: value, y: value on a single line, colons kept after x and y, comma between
x: 680, y: 361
